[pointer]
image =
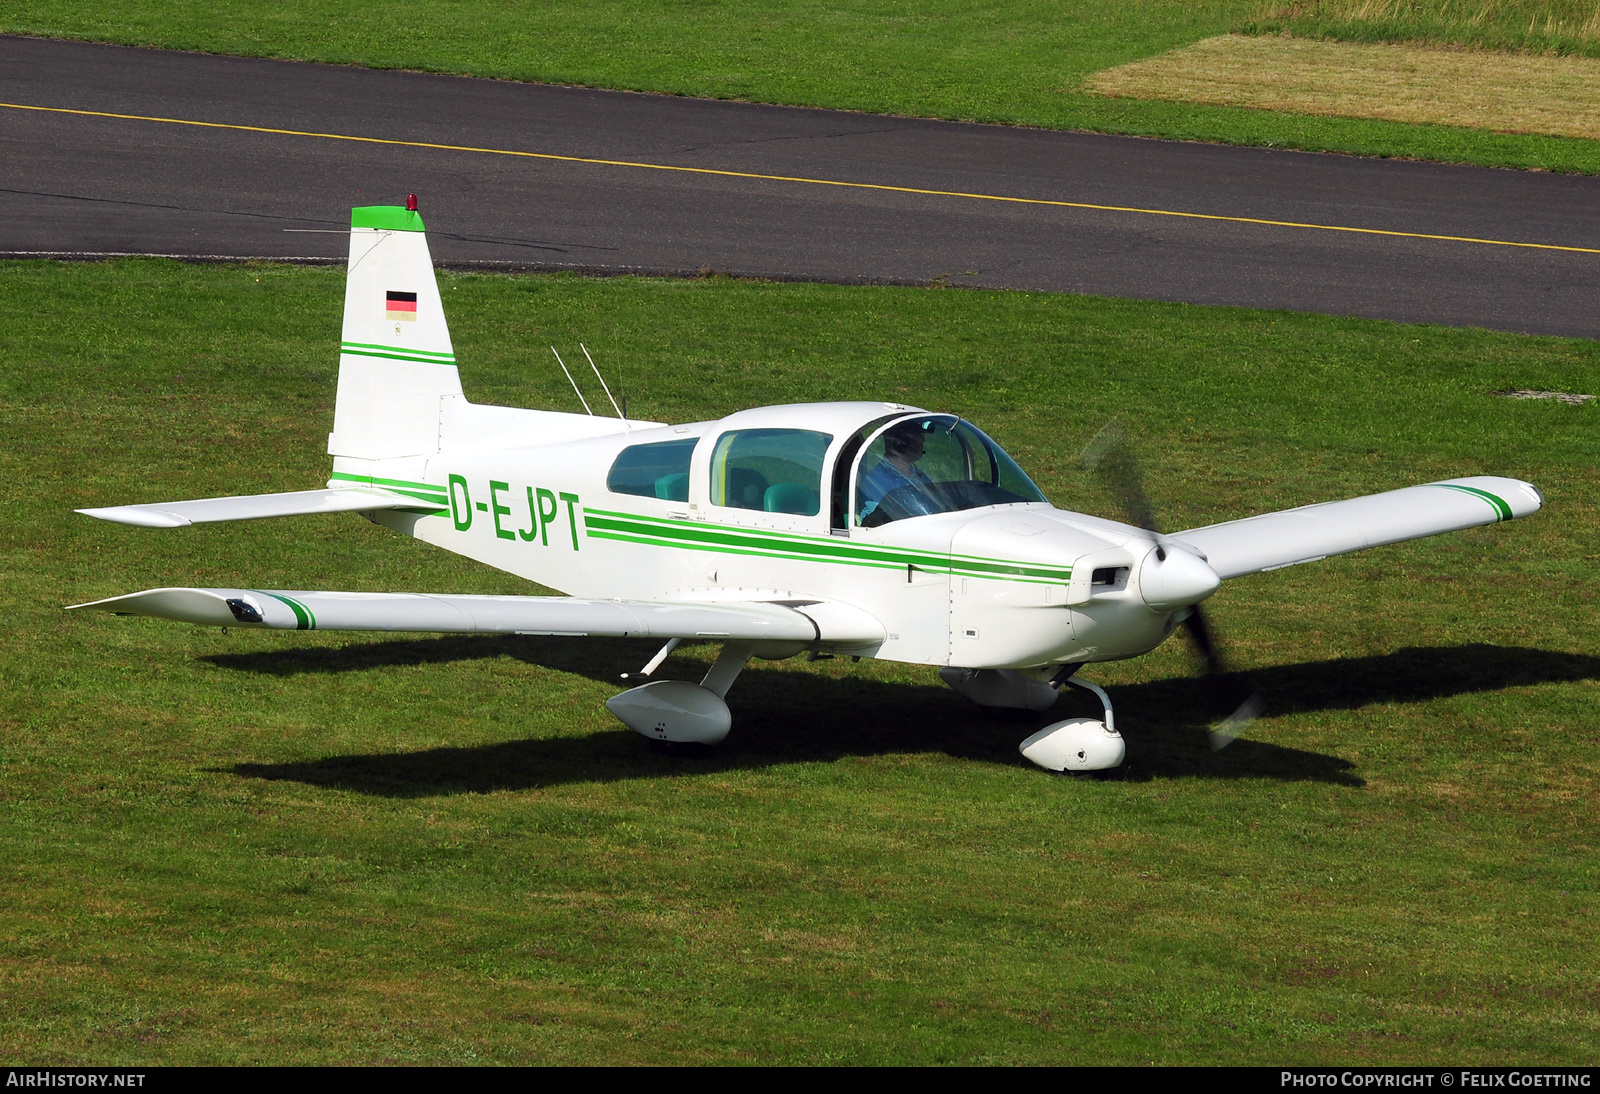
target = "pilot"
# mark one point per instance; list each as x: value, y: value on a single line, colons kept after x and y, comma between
x: 903, y: 446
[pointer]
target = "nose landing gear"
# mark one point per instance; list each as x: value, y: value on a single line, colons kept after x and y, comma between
x: 1077, y: 744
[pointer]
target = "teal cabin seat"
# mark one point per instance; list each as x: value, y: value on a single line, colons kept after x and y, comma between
x: 673, y: 487
x: 789, y: 497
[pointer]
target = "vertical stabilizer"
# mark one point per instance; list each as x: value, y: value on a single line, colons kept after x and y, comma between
x: 395, y: 360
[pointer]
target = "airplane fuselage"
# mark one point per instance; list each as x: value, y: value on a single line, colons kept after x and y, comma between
x: 1014, y: 585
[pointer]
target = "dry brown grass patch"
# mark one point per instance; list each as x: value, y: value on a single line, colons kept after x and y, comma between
x: 1550, y: 18
x: 1506, y: 92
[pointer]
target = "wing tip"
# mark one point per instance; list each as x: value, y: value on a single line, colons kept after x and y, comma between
x: 203, y: 607
x: 1511, y: 498
x: 139, y: 516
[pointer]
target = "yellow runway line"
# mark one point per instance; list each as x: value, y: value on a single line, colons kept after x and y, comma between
x: 807, y: 181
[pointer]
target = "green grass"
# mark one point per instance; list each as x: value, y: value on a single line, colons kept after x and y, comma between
x: 1563, y: 27
x: 1012, y: 61
x: 281, y: 847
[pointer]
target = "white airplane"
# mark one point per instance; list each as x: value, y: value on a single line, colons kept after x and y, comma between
x: 862, y: 529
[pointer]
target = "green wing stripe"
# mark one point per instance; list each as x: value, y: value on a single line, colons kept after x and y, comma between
x: 444, y: 358
x: 1498, y: 504
x: 398, y: 355
x: 627, y: 527
x: 304, y: 620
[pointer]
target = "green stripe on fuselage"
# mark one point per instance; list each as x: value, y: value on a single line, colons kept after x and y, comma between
x: 432, y: 501
x: 433, y: 495
x: 695, y: 536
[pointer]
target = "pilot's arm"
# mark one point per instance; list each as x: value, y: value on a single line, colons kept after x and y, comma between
x: 880, y: 480
x: 885, y: 478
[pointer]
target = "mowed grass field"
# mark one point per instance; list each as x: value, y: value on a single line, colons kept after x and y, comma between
x: 283, y: 847
x: 1020, y: 62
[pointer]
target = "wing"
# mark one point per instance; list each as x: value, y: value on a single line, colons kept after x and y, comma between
x: 1312, y: 532
x: 793, y: 621
x: 176, y: 514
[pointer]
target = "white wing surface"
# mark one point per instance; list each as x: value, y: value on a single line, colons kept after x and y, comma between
x: 176, y: 514
x: 1312, y: 532
x: 546, y: 615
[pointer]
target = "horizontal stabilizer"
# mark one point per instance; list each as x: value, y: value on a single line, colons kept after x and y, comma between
x: 1312, y: 532
x: 177, y: 514
x: 549, y: 615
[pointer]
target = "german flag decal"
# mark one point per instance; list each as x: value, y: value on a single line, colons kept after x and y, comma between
x: 401, y: 305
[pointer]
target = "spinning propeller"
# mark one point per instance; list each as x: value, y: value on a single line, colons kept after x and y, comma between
x: 1110, y: 457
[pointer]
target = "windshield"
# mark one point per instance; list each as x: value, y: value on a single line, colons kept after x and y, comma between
x: 935, y: 463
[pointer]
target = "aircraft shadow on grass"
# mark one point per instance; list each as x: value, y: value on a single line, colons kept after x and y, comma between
x: 786, y: 716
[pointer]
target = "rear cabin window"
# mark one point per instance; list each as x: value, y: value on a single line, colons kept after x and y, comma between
x: 769, y: 470
x: 659, y: 470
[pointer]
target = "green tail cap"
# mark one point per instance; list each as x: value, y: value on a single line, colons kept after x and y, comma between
x: 395, y: 218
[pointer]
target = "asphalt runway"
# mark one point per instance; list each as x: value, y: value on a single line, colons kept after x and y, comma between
x: 693, y: 185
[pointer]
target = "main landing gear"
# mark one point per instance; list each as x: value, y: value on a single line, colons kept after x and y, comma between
x: 678, y: 712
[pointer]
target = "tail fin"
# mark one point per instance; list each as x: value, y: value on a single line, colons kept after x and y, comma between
x: 395, y: 360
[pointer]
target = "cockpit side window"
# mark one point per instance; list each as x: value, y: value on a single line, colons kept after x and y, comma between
x: 839, y: 510
x: 769, y: 470
x: 935, y: 464
x: 659, y: 470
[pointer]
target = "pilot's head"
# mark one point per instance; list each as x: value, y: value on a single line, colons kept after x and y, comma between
x: 905, y: 441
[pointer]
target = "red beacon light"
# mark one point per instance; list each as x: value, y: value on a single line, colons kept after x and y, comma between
x: 411, y: 202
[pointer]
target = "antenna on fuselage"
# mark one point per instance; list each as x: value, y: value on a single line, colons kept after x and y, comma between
x: 571, y: 381
x: 603, y: 386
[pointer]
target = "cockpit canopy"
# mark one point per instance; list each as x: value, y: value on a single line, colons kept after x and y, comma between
x: 934, y: 463
x: 901, y: 465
